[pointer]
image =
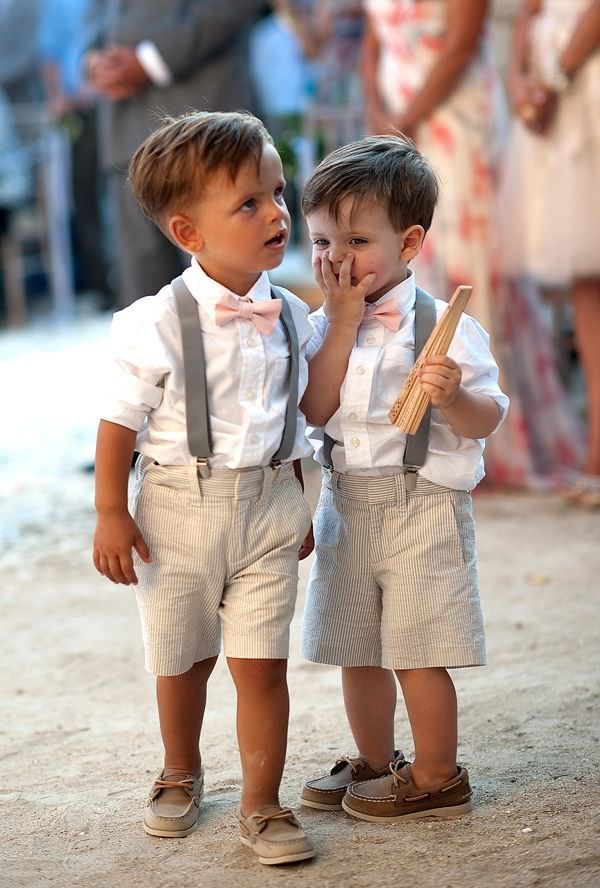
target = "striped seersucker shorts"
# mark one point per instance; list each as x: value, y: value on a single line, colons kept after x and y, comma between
x: 394, y: 582
x: 224, y: 562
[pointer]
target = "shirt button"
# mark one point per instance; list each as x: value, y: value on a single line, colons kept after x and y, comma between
x: 249, y: 394
x: 251, y: 342
x: 355, y: 442
x: 361, y: 369
x: 253, y: 439
x: 370, y: 339
x: 353, y: 416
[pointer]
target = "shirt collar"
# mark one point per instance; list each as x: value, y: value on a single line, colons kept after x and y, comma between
x: 207, y: 292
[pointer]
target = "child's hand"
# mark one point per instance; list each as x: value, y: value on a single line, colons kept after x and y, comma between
x: 344, y: 303
x: 116, y: 535
x: 440, y: 377
x: 307, y: 546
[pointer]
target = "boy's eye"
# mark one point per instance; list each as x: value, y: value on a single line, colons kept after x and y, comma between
x: 249, y: 204
x: 279, y: 192
x: 320, y: 242
x: 357, y: 241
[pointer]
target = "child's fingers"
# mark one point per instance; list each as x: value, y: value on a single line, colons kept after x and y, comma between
x: 432, y: 383
x: 328, y: 275
x: 318, y: 272
x: 345, y: 275
x: 441, y: 361
x: 142, y: 549
x: 362, y: 288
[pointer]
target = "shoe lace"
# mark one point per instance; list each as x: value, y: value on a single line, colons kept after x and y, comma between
x: 395, y: 768
x: 187, y: 784
x: 344, y: 760
x: 261, y: 820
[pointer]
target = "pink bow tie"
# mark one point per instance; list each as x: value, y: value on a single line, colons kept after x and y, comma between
x: 264, y: 315
x: 385, y: 313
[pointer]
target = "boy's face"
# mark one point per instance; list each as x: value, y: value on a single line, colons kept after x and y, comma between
x: 367, y: 234
x: 239, y: 228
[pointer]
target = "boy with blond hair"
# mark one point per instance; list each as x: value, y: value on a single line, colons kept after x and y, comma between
x: 393, y: 591
x: 205, y: 383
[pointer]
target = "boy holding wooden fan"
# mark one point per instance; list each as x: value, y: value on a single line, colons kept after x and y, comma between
x: 394, y: 584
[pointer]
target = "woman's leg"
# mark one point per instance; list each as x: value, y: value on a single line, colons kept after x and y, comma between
x: 430, y: 701
x: 181, y: 703
x: 370, y: 701
x: 262, y: 722
x: 586, y: 305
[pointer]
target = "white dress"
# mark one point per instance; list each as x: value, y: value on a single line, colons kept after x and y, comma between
x: 551, y: 192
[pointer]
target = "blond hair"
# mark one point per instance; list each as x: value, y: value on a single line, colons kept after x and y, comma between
x: 170, y: 168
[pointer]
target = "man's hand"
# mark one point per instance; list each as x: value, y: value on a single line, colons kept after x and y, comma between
x: 344, y: 302
x: 116, y: 535
x: 440, y: 377
x: 117, y: 73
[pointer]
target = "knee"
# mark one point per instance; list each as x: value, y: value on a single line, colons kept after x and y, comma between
x: 262, y: 675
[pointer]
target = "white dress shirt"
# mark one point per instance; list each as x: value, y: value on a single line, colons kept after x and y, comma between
x: 366, y: 441
x: 246, y: 376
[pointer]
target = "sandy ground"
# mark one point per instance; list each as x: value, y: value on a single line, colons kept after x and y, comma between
x: 79, y: 743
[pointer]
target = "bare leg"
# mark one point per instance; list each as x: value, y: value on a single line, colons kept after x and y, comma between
x: 370, y: 700
x: 430, y: 701
x: 262, y: 722
x: 586, y: 304
x: 181, y: 704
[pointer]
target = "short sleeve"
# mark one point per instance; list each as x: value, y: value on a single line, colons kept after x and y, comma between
x: 318, y: 322
x: 470, y: 348
x: 137, y: 366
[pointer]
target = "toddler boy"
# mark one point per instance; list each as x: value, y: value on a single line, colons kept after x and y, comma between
x: 205, y: 384
x: 394, y: 583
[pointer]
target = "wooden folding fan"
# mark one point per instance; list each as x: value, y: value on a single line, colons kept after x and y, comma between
x: 412, y: 402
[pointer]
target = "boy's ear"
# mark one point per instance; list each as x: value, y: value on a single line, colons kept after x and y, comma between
x: 185, y: 234
x: 411, y: 242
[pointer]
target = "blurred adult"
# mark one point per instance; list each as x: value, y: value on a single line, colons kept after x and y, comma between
x: 73, y: 105
x: 428, y: 72
x: 331, y: 34
x: 151, y: 57
x: 553, y: 235
x: 19, y: 65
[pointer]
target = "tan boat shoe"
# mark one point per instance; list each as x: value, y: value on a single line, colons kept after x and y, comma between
x: 396, y: 797
x: 326, y: 793
x: 275, y: 836
x: 174, y: 805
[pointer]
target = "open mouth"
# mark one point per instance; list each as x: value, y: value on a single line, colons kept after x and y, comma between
x: 277, y: 241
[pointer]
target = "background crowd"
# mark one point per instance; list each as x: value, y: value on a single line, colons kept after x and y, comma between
x: 512, y: 130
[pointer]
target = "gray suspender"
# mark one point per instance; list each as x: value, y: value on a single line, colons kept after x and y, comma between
x: 425, y: 317
x: 291, y: 412
x: 416, y: 445
x: 194, y: 366
x: 197, y: 419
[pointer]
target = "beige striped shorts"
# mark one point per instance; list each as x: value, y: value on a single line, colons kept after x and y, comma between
x: 224, y: 562
x: 394, y: 581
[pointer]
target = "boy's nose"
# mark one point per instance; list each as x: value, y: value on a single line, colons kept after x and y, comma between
x: 278, y: 210
x: 336, y: 256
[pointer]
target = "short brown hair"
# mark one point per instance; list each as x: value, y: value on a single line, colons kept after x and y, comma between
x: 171, y: 165
x: 382, y: 169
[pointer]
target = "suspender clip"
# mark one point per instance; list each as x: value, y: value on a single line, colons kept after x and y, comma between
x: 202, y: 467
x: 410, y: 477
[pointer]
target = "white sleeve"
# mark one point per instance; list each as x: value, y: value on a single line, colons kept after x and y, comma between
x: 136, y: 370
x: 318, y: 323
x: 470, y: 348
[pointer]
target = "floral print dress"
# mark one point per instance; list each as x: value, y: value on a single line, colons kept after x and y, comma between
x: 540, y: 440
